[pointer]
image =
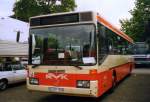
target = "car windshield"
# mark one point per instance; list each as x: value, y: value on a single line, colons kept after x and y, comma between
x: 64, y: 45
x: 141, y: 48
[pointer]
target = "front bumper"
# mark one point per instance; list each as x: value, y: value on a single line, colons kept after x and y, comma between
x: 71, y: 91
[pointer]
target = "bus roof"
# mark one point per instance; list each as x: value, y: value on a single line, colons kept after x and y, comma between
x: 99, y: 19
x: 61, y: 13
x: 114, y: 29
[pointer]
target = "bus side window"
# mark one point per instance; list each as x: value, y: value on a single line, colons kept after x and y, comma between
x: 102, y: 42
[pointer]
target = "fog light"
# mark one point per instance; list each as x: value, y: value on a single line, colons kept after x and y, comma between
x: 34, y: 81
x: 83, y: 84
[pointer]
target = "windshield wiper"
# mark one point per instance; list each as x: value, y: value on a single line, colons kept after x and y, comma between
x: 78, y: 67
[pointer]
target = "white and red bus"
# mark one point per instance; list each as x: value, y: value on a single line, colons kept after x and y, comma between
x: 77, y: 53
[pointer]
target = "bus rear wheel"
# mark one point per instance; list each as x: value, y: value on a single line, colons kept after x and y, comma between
x: 113, y: 84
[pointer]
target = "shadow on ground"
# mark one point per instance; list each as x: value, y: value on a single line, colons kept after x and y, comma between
x: 15, y: 85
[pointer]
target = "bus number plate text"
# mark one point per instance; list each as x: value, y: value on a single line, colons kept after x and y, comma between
x: 55, y: 89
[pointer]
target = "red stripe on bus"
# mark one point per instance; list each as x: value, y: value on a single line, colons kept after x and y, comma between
x: 104, y: 78
x: 114, y: 29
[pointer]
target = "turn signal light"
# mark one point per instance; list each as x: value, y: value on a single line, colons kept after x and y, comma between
x: 93, y: 71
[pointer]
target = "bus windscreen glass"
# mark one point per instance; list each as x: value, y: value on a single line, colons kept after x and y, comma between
x: 64, y: 45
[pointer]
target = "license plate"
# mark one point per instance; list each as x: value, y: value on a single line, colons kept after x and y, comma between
x: 55, y: 89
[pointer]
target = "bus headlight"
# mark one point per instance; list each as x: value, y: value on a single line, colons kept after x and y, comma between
x: 83, y: 84
x: 33, y: 81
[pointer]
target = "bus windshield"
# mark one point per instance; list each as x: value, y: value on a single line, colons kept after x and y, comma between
x: 64, y: 45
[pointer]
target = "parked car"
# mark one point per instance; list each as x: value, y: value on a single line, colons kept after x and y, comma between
x: 142, y: 59
x: 141, y: 53
x: 11, y: 73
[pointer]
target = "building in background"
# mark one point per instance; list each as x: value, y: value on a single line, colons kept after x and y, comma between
x: 13, y: 49
x: 13, y: 40
x: 9, y: 27
x: 13, y: 52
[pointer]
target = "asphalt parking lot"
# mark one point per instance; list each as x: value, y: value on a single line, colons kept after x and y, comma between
x: 134, y: 88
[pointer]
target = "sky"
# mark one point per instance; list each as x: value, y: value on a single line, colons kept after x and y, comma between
x: 111, y: 10
x: 6, y: 7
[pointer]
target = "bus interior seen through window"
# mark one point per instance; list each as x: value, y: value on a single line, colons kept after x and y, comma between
x: 64, y: 45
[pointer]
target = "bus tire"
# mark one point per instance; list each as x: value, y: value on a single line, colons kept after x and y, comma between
x: 130, y: 71
x: 3, y: 84
x: 113, y: 82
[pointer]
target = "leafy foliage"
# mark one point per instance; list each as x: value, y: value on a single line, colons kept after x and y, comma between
x: 24, y: 9
x: 136, y: 26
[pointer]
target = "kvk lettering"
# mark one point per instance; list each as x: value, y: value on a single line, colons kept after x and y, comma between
x: 54, y: 76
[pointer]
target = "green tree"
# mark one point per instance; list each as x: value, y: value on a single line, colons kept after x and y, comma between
x: 136, y: 26
x: 24, y: 9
